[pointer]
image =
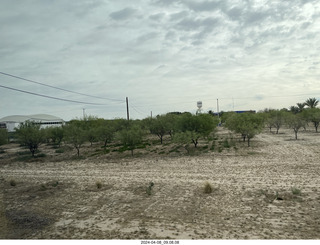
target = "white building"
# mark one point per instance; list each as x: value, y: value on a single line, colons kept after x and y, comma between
x: 10, y: 122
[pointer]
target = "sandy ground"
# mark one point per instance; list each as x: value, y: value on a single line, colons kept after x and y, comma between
x: 252, y: 195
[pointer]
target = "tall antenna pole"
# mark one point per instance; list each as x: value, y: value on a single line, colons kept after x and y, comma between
x: 218, y: 107
x: 127, y: 108
x: 232, y: 103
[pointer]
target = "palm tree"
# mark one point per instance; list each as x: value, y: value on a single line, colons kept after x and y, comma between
x: 312, y: 102
x: 294, y: 109
x: 301, y: 106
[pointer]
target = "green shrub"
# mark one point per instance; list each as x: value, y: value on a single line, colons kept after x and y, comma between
x: 226, y: 143
x: 213, y: 146
x: 60, y: 150
x: 207, y: 188
x: 41, y: 155
x: 43, y: 187
x: 55, y: 184
x: 13, y: 182
x: 98, y: 185
x: 149, y: 188
x: 296, y: 191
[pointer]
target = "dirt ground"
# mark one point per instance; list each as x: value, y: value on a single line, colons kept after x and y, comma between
x: 270, y: 190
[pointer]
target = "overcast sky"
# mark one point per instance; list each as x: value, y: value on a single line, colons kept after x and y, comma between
x: 164, y: 55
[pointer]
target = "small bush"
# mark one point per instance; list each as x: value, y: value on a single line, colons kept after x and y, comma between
x: 149, y: 188
x: 55, y: 184
x: 43, y: 187
x: 41, y: 155
x: 296, y: 191
x: 207, y: 188
x: 13, y: 182
x: 213, y: 146
x: 226, y: 143
x: 23, y: 153
x: 98, y: 185
x: 60, y: 150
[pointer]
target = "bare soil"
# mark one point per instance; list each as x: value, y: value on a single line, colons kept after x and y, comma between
x: 270, y: 190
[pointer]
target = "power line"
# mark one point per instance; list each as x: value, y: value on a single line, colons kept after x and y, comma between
x: 137, y: 110
x: 62, y: 89
x: 50, y: 97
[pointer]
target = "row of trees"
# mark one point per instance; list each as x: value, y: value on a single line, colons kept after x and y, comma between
x: 184, y: 128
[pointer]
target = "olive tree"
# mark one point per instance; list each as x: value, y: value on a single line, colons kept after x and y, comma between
x: 3, y: 136
x: 193, y: 127
x: 56, y: 134
x: 296, y: 122
x: 312, y: 115
x: 159, y: 126
x: 106, y: 132
x: 246, y: 124
x: 131, y: 137
x: 75, y: 135
x: 277, y: 118
x: 30, y: 135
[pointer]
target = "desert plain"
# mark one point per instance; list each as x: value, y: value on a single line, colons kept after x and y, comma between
x: 270, y: 190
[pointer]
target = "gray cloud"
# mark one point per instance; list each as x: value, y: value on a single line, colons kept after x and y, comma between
x: 190, y: 49
x: 203, y: 6
x: 189, y: 24
x: 123, y: 14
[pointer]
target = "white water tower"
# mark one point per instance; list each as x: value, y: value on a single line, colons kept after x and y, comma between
x: 199, y: 105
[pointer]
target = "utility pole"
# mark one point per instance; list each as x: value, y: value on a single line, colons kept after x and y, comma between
x: 127, y: 108
x: 218, y: 112
x: 84, y: 114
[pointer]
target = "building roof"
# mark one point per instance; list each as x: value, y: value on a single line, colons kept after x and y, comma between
x: 36, y: 117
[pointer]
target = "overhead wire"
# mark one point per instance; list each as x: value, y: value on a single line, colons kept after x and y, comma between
x: 62, y: 89
x: 137, y: 110
x: 134, y: 107
x: 50, y: 97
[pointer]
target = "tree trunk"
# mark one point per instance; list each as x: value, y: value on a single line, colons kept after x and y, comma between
x: 187, y: 148
x: 296, y: 134
x: 78, y: 151
x: 160, y: 137
x: 195, y: 142
x: 316, y: 124
x: 248, y: 142
x: 244, y: 137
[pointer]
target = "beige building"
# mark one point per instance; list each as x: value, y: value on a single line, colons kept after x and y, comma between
x: 10, y: 122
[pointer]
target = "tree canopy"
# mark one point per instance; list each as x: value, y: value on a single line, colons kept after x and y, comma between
x: 246, y: 124
x: 30, y: 135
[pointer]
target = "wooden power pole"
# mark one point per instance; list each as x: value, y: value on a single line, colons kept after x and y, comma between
x: 127, y: 108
